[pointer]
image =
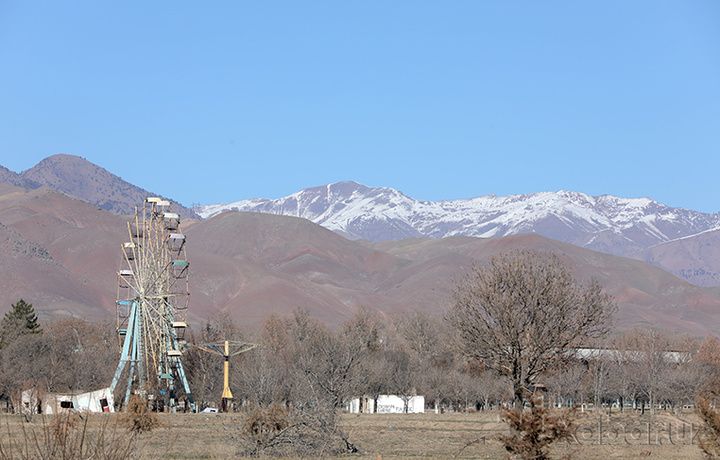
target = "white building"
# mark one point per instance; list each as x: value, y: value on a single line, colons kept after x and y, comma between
x: 387, y: 404
x: 57, y: 403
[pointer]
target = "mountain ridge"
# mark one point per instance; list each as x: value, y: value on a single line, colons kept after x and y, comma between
x: 347, y: 207
x: 605, y: 223
x: 79, y: 178
x: 638, y: 228
x: 62, y: 255
x: 629, y: 227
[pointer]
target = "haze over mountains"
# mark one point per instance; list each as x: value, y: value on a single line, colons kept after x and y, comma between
x: 62, y: 254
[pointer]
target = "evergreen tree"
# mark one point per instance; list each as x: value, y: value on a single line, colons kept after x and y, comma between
x: 18, y: 321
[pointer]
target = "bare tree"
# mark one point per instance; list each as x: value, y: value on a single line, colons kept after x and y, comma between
x: 425, y: 337
x: 566, y: 383
x: 331, y: 363
x: 650, y: 363
x: 266, y: 376
x: 599, y: 364
x: 708, y: 361
x: 523, y: 311
x: 685, y: 378
x: 298, y: 381
x: 71, y: 355
x: 430, y: 360
x: 623, y: 382
x: 78, y: 352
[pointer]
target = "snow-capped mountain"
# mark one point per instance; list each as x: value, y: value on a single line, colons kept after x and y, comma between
x: 604, y: 223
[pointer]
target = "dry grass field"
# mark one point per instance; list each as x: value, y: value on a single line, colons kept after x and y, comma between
x: 382, y: 436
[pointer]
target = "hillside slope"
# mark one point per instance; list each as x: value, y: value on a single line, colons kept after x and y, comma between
x: 619, y: 226
x: 81, y: 179
x: 62, y: 255
x: 695, y: 258
x: 637, y: 228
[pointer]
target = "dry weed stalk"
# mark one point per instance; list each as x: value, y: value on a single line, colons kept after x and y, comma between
x: 70, y: 436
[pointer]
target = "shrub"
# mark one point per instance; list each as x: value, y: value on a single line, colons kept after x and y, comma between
x: 281, y: 431
x: 534, y: 430
x: 138, y: 418
x: 709, y: 436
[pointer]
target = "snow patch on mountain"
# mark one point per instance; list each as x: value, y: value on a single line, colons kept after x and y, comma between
x: 605, y: 223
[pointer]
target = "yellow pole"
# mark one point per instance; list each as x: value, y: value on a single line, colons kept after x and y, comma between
x: 227, y: 394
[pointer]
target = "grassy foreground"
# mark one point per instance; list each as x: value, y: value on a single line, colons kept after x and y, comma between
x: 381, y: 436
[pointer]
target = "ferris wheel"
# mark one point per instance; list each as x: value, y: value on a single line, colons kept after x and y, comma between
x: 152, y: 305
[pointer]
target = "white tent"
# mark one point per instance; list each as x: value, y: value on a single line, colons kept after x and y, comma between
x: 58, y: 403
x: 95, y: 401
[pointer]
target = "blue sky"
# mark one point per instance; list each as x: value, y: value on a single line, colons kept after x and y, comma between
x: 224, y: 101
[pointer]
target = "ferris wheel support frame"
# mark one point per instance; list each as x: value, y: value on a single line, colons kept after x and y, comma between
x: 162, y: 347
x: 131, y: 357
